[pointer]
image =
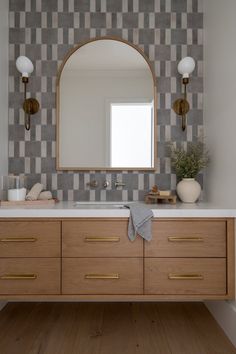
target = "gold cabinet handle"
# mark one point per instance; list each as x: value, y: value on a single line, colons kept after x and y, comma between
x: 18, y: 277
x: 102, y: 276
x: 184, y: 239
x: 101, y: 239
x: 18, y: 239
x: 174, y: 276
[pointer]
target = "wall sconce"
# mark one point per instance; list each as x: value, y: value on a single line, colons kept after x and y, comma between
x: 181, y: 105
x: 31, y: 106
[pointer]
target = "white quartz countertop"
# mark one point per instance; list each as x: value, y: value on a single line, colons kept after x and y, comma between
x: 69, y: 210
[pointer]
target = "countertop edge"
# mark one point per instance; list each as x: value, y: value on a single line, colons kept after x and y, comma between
x: 114, y: 213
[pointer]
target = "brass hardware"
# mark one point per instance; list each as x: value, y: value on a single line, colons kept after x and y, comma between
x: 30, y: 105
x: 102, y: 276
x: 102, y: 239
x: 184, y: 239
x: 181, y: 105
x: 18, y: 239
x: 174, y: 276
x: 93, y: 184
x: 18, y: 277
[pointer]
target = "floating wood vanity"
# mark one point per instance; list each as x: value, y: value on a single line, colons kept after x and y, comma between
x: 88, y: 258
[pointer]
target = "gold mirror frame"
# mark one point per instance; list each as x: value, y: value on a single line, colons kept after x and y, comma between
x: 140, y: 51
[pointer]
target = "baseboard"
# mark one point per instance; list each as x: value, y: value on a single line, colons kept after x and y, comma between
x: 225, y: 314
x: 2, y: 304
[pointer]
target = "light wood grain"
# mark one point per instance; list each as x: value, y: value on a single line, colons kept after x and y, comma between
x: 76, y: 234
x: 46, y: 235
x: 130, y: 271
x: 27, y: 203
x: 231, y: 257
x: 157, y: 271
x: 47, y: 271
x: 129, y: 328
x: 212, y: 235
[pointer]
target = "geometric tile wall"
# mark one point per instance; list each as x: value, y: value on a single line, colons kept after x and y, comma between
x: 44, y: 30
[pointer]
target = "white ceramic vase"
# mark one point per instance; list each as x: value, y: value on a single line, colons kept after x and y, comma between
x: 188, y: 190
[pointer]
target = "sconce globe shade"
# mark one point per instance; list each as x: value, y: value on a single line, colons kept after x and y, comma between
x: 24, y: 65
x: 186, y: 66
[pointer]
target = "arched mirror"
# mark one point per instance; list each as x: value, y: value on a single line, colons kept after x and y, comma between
x: 106, y: 108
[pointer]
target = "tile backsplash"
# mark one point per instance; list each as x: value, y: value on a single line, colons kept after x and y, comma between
x: 44, y: 30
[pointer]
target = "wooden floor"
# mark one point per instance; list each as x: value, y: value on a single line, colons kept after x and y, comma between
x: 109, y: 328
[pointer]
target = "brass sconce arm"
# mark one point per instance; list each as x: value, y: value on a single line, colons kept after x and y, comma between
x: 30, y: 105
x: 181, y: 105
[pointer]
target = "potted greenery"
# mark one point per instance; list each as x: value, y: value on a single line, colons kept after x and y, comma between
x: 187, y: 163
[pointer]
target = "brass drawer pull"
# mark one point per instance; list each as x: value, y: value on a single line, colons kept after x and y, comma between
x: 174, y: 276
x: 184, y: 239
x: 18, y: 277
x: 102, y: 239
x: 18, y: 239
x: 102, y: 276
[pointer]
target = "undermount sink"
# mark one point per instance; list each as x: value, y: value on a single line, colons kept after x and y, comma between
x: 102, y: 204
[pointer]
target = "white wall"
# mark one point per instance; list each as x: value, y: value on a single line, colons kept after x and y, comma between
x: 3, y: 93
x: 220, y: 97
x: 220, y: 121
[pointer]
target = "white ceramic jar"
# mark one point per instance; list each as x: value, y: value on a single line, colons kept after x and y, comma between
x: 188, y: 190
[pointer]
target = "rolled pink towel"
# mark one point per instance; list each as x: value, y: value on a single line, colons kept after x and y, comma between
x: 45, y: 195
x: 34, y: 192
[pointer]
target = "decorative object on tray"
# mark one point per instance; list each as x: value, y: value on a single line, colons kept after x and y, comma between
x: 156, y: 196
x: 14, y: 187
x: 187, y: 163
x: 16, y: 194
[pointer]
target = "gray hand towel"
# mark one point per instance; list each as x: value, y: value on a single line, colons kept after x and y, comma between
x: 140, y: 221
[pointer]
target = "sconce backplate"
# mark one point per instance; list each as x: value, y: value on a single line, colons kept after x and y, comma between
x: 181, y: 106
x: 31, y: 106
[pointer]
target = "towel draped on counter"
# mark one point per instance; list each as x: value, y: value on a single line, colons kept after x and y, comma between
x: 140, y: 221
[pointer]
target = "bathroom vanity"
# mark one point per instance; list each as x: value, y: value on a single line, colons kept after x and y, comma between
x: 70, y: 253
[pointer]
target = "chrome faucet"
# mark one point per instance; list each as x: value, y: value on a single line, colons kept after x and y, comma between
x: 119, y: 184
x: 106, y: 184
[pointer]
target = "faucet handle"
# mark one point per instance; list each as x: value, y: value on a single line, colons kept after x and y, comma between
x: 106, y: 184
x: 92, y: 184
x: 119, y: 184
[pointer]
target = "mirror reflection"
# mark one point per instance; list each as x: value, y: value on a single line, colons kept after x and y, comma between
x: 105, y: 103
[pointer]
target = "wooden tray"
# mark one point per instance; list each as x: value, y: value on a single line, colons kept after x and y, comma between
x: 28, y: 202
x: 155, y: 198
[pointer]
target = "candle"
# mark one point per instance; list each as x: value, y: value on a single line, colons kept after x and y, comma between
x: 16, y: 194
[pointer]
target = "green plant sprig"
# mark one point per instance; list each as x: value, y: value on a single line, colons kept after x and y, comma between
x: 187, y: 163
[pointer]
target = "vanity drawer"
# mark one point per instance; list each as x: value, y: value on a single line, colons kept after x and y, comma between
x: 185, y: 276
x: 99, y: 238
x: 187, y: 239
x: 30, y: 239
x: 102, y: 276
x: 30, y: 276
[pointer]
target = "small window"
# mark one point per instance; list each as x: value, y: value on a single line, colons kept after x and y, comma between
x: 131, y: 135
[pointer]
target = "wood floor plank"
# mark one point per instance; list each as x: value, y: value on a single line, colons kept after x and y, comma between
x: 208, y: 331
x: 150, y: 334
x: 118, y: 331
x: 110, y: 328
x: 17, y: 324
x: 51, y: 339
x: 88, y: 328
x: 179, y: 331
